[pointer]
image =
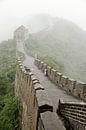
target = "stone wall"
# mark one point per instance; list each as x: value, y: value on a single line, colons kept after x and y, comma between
x: 37, y: 109
x: 74, y: 113
x: 75, y: 88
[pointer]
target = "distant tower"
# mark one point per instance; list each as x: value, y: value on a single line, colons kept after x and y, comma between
x: 21, y: 33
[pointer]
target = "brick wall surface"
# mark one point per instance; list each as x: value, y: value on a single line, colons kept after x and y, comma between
x: 34, y: 98
x: 75, y: 113
x: 75, y: 88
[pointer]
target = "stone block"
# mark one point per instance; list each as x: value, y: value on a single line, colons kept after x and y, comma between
x: 36, y: 81
x: 38, y: 63
x: 27, y: 69
x: 64, y: 82
x: 79, y: 89
x: 41, y: 65
x: 58, y: 78
x: 44, y: 67
x: 71, y: 86
x: 44, y: 102
x: 52, y: 75
x: 49, y: 71
x: 38, y: 86
x: 30, y: 73
x: 33, y: 77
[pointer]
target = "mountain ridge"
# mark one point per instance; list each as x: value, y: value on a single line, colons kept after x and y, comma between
x: 66, y: 43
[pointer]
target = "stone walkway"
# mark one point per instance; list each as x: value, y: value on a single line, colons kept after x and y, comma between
x: 52, y: 90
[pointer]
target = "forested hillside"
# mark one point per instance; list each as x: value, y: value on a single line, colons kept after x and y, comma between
x: 9, y: 105
x: 64, y: 42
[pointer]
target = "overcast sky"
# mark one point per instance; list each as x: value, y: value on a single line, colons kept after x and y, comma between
x: 14, y: 12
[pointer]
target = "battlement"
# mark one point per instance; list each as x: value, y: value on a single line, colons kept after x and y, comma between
x: 37, y: 108
x: 75, y: 88
x: 37, y: 111
x: 73, y: 113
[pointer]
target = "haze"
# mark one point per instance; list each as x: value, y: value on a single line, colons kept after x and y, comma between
x: 16, y: 12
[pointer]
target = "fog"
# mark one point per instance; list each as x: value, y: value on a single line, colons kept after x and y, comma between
x: 17, y: 12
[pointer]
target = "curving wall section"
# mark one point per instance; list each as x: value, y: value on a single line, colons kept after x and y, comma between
x: 37, y: 109
x: 74, y: 114
x: 75, y: 88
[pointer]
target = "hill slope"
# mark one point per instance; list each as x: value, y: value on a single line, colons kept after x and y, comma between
x: 65, y: 42
x: 9, y: 104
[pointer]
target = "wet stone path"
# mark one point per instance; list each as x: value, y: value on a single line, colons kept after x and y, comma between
x: 53, y: 91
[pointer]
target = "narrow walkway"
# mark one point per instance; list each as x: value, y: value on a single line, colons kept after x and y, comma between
x: 54, y: 94
x: 52, y: 90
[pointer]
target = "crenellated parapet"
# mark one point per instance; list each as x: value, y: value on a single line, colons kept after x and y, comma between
x: 35, y: 101
x: 72, y: 113
x: 73, y: 87
x: 37, y: 108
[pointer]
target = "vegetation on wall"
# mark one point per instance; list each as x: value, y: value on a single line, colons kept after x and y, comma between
x: 43, y: 52
x: 9, y: 104
x: 53, y: 63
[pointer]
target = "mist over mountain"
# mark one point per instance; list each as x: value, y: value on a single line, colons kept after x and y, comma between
x: 62, y: 40
x: 39, y: 22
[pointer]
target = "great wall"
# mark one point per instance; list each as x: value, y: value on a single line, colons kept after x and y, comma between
x: 47, y: 99
x: 71, y: 86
